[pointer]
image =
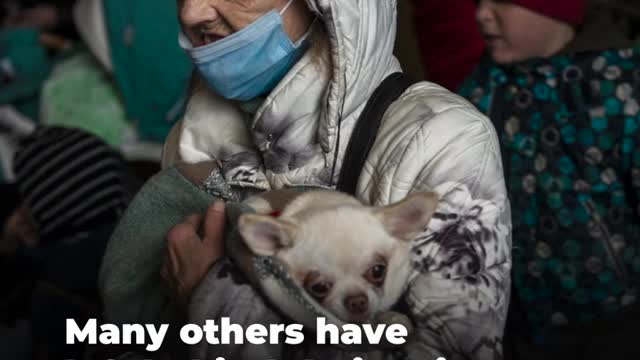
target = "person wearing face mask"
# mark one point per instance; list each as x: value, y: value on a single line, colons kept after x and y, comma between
x: 560, y: 83
x: 279, y: 88
x: 252, y: 62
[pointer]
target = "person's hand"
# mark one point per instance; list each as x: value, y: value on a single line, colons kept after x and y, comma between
x: 19, y: 230
x: 190, y: 255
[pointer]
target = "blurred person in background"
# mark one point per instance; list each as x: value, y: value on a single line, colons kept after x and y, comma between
x: 108, y: 84
x: 31, y: 36
x: 561, y: 84
x: 72, y: 190
x: 52, y: 16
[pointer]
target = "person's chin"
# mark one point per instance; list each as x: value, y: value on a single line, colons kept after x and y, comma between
x: 503, y: 57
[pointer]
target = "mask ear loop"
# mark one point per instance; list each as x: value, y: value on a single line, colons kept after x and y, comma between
x: 286, y: 7
x: 306, y: 34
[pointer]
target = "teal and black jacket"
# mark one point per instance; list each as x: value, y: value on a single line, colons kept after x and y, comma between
x: 569, y: 128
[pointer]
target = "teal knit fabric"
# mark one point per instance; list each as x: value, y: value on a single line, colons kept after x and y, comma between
x: 130, y: 281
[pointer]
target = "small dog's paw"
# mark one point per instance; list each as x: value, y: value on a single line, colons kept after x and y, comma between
x: 392, y: 317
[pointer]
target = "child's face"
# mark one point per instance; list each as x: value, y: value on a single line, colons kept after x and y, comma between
x: 514, y: 33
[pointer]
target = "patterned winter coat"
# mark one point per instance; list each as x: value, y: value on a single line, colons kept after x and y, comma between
x: 430, y: 139
x: 570, y: 133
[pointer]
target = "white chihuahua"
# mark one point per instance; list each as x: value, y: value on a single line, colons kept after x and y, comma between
x: 353, y: 259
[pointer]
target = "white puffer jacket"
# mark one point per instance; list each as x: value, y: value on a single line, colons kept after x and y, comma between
x: 430, y: 140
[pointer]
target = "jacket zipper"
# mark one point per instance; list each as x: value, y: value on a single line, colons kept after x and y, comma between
x: 490, y: 108
x: 498, y: 120
x: 617, y: 262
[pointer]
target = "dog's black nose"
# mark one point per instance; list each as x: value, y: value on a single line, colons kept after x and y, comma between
x: 357, y: 304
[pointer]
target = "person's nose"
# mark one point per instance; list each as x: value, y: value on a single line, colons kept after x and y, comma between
x: 484, y: 12
x: 197, y: 13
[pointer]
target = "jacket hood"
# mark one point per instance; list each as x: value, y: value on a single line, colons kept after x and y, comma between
x: 362, y: 36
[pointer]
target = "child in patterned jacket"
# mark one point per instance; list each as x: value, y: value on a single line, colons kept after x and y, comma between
x: 569, y: 123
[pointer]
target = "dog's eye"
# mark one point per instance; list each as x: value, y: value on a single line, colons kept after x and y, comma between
x: 319, y: 290
x: 376, y: 274
x: 317, y: 285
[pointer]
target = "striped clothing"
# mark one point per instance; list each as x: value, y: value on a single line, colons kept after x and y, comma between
x: 70, y: 180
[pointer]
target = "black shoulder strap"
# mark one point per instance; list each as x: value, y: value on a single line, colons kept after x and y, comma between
x: 366, y: 129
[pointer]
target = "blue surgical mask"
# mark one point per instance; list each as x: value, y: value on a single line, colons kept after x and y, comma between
x: 250, y: 62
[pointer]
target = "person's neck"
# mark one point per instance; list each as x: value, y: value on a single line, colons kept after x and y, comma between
x: 560, y: 42
x: 303, y: 19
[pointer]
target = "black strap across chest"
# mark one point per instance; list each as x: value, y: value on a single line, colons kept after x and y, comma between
x: 366, y: 129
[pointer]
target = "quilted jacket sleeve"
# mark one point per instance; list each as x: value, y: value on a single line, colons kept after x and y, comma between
x: 459, y: 292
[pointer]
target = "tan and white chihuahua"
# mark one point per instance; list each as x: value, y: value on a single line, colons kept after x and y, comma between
x: 353, y: 259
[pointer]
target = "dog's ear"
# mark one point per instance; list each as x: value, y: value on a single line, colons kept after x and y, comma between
x: 265, y: 235
x: 407, y: 218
